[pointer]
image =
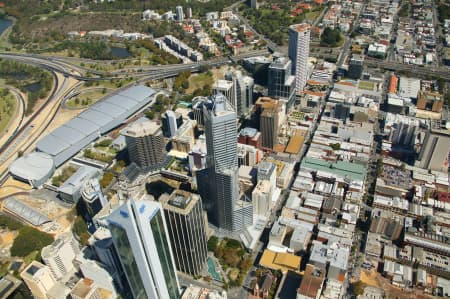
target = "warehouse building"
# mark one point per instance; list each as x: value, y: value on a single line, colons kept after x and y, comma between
x: 64, y: 142
x: 70, y: 138
x: 23, y: 212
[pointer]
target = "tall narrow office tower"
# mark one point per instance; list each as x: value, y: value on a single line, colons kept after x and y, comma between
x: 222, y: 163
x: 226, y: 88
x: 281, y: 84
x: 243, y: 92
x: 186, y: 225
x: 180, y: 14
x: 139, y: 233
x: 298, y: 52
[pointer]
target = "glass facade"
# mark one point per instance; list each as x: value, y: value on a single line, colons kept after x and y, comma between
x: 162, y: 246
x: 129, y: 263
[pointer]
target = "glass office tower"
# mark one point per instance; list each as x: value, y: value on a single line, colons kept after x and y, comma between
x: 139, y: 233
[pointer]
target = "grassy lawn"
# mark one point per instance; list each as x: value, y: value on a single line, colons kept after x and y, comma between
x: 366, y: 85
x: 198, y: 81
x: 8, y: 107
x: 86, y: 99
x: 112, y: 84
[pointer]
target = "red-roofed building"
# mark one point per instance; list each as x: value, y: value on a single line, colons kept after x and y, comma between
x: 188, y: 28
x: 304, y: 6
x: 249, y: 33
x: 296, y: 12
x: 393, y: 82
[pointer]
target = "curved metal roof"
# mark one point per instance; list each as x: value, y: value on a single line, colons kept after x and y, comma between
x: 34, y: 166
x: 24, y: 212
x: 114, y: 108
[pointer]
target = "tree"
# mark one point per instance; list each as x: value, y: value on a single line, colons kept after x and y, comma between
x: 219, y: 252
x: 358, y: 287
x: 212, y: 243
x: 204, y: 68
x: 150, y: 114
x: 81, y: 230
x: 106, y: 179
x: 28, y: 240
x: 335, y: 146
x: 232, y: 243
x: 9, y: 223
x: 330, y: 37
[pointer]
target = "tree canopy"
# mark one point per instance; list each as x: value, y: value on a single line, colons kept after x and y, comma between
x: 9, y: 223
x: 28, y: 240
x: 330, y: 37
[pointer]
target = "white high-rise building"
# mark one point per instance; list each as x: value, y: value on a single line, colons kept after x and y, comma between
x: 261, y: 197
x: 39, y: 279
x: 139, y: 233
x: 180, y: 14
x: 221, y: 191
x: 299, y: 36
x: 59, y: 255
x: 225, y: 88
x: 243, y: 92
x: 93, y: 197
x: 172, y: 122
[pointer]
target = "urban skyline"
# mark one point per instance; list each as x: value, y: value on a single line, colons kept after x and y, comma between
x: 224, y: 150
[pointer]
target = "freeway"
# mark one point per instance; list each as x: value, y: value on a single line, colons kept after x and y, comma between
x: 24, y: 139
x: 17, y: 119
x: 149, y: 72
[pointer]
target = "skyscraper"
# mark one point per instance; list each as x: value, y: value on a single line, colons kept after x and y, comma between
x: 59, y: 255
x: 298, y: 52
x: 269, y: 127
x: 243, y: 92
x: 145, y: 144
x: 222, y: 164
x: 180, y: 14
x: 189, y: 13
x: 170, y: 123
x: 281, y: 83
x: 226, y: 88
x: 356, y: 66
x: 103, y: 246
x: 197, y: 110
x: 93, y: 197
x: 186, y: 226
x: 39, y: 279
x: 139, y: 233
x: 222, y: 194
